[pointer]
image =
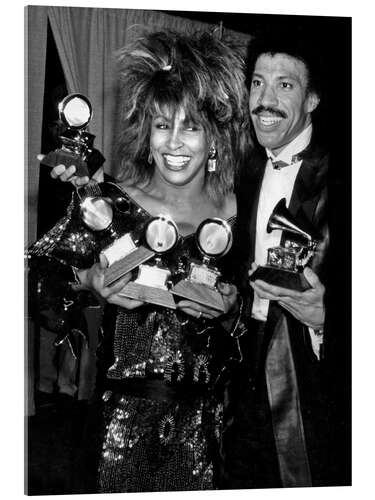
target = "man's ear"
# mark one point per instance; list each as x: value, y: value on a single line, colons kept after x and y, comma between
x: 312, y: 102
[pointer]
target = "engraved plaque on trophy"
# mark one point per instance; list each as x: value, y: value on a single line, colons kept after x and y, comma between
x: 75, y: 113
x: 285, y: 263
x: 214, y: 239
x: 152, y: 282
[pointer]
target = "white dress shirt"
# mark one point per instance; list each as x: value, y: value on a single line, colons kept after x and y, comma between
x: 277, y: 184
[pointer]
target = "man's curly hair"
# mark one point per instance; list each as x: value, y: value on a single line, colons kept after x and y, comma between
x: 198, y: 73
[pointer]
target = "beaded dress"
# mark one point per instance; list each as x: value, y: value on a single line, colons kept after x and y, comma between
x: 156, y: 422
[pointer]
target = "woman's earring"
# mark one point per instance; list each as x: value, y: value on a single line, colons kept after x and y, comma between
x: 211, y: 164
x: 150, y: 158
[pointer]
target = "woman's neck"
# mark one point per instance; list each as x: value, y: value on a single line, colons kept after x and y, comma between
x: 173, y: 194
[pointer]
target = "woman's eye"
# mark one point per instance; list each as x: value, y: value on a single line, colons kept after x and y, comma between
x: 256, y: 83
x: 161, y: 125
x: 192, y: 127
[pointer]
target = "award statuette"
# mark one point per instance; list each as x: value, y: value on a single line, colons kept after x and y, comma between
x: 75, y: 112
x: 102, y: 208
x: 214, y: 239
x: 286, y: 262
x: 152, y: 282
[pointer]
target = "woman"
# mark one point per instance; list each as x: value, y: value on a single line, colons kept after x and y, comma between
x: 182, y: 118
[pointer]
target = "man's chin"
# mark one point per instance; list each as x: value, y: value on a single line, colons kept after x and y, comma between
x: 267, y: 140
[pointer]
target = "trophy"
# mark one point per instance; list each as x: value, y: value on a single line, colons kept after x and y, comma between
x: 105, y: 209
x: 153, y: 280
x: 285, y: 263
x: 75, y: 112
x: 214, y: 239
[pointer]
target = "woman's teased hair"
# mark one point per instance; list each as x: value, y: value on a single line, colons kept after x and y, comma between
x: 199, y: 73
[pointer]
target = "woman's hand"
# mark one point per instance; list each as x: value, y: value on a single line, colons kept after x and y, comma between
x: 229, y: 295
x: 93, y: 279
x: 67, y: 174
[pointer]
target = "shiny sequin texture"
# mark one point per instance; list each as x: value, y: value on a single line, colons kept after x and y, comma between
x: 160, y: 406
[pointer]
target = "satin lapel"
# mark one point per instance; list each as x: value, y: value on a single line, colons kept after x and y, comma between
x: 309, y: 183
x: 284, y: 400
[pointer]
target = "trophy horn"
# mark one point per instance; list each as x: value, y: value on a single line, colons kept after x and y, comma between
x: 282, y: 219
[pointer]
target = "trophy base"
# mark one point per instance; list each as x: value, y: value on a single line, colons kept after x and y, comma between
x: 202, y: 294
x: 59, y: 156
x: 119, y: 268
x: 149, y: 294
x: 281, y: 277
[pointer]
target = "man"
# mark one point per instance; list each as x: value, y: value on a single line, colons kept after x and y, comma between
x: 275, y: 423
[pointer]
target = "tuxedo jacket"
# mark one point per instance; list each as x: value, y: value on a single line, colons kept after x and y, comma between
x: 275, y: 420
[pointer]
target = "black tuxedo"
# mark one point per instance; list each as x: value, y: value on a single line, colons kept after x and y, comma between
x: 276, y: 420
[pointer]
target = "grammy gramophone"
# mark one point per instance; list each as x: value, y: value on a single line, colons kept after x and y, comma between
x: 75, y: 112
x: 214, y: 240
x: 153, y: 282
x: 285, y: 263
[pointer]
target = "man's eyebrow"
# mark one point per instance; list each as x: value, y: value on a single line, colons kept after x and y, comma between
x: 282, y: 76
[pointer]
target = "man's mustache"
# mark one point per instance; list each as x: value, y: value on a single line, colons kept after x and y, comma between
x: 274, y: 111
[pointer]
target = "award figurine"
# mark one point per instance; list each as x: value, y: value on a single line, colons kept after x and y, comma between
x: 285, y: 263
x: 152, y: 282
x: 214, y: 239
x: 75, y: 112
x: 104, y: 209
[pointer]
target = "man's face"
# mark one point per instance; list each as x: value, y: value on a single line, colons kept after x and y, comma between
x: 280, y: 105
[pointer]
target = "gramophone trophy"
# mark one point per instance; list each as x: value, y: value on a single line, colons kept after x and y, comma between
x: 214, y: 239
x: 285, y: 263
x: 153, y: 280
x: 75, y: 112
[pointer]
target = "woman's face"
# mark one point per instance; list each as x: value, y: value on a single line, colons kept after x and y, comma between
x: 179, y: 148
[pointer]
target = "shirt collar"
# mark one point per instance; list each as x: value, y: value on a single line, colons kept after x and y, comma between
x: 295, y: 147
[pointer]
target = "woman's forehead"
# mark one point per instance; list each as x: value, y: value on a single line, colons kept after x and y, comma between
x: 175, y: 112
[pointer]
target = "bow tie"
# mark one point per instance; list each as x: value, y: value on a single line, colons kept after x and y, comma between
x: 279, y: 164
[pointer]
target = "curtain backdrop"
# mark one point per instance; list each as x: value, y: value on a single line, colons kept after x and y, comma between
x: 87, y: 40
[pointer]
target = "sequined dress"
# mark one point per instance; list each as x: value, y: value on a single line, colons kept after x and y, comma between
x: 158, y: 411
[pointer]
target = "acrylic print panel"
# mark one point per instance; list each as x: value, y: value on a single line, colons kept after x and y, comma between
x: 157, y: 426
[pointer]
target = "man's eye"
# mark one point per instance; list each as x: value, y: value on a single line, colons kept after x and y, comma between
x: 286, y: 85
x: 256, y: 83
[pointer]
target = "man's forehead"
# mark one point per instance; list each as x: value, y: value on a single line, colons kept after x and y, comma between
x: 280, y: 64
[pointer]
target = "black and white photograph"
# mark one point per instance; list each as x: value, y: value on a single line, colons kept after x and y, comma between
x: 188, y: 250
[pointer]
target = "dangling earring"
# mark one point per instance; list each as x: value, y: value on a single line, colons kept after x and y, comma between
x: 150, y: 158
x: 211, y: 164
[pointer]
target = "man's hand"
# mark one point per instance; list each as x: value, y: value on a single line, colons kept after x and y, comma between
x: 229, y: 294
x: 307, y: 306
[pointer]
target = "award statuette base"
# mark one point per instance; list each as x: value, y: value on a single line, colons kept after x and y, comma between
x: 150, y: 286
x: 66, y: 158
x: 149, y: 294
x: 281, y: 277
x: 120, y: 267
x: 200, y: 293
